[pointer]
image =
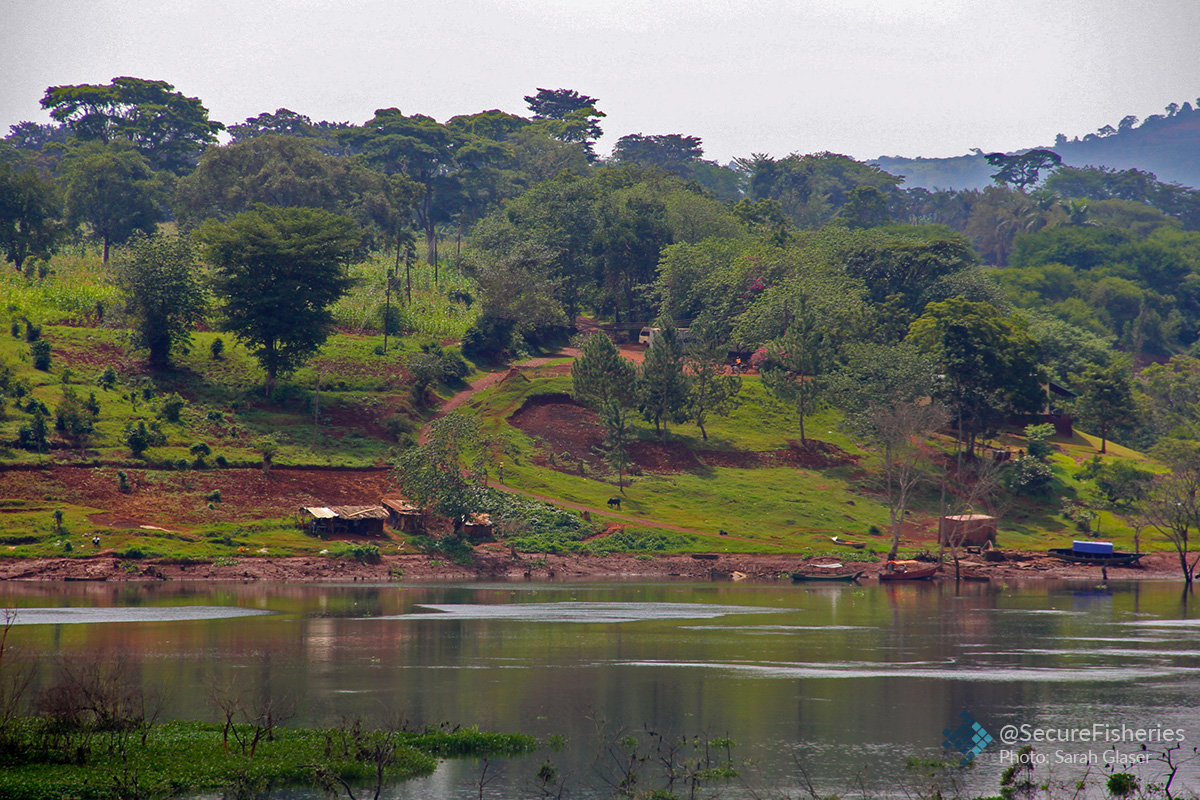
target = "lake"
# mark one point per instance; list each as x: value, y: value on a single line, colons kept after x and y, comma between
x: 837, y: 685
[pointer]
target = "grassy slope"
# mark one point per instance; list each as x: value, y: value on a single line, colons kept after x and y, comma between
x: 780, y: 509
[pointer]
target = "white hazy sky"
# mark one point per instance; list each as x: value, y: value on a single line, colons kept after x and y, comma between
x: 860, y: 77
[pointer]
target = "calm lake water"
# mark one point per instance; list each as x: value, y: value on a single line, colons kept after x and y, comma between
x: 839, y: 683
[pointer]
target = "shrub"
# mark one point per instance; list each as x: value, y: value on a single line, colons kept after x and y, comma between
x: 362, y: 553
x: 123, y: 483
x: 214, y: 496
x: 41, y: 354
x: 1038, y: 437
x: 172, y: 406
x: 107, y: 379
x: 200, y: 449
x: 217, y: 348
x: 1030, y: 476
x: 221, y: 461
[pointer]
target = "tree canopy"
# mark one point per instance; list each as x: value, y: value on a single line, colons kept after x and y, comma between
x: 278, y: 272
x: 168, y: 129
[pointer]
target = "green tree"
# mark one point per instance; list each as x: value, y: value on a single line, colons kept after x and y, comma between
x: 164, y: 296
x: 434, y: 477
x: 1022, y: 170
x: 29, y: 215
x: 1173, y: 504
x: 169, y: 129
x: 276, y: 170
x: 884, y: 392
x: 662, y: 385
x: 1106, y: 398
x: 988, y: 363
x: 866, y: 207
x: 113, y: 190
x: 618, y: 435
x: 671, y: 152
x: 798, y: 361
x: 279, y: 270
x: 711, y: 390
x: 567, y: 115
x: 601, y: 375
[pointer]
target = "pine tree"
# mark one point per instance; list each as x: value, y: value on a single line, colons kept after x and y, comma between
x: 662, y: 386
x: 600, y: 375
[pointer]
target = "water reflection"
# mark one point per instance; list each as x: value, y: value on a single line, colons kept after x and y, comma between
x: 850, y: 680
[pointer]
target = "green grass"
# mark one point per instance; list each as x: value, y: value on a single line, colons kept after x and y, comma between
x: 778, y: 509
x: 40, y: 762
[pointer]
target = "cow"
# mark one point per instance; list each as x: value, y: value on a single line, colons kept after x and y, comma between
x: 614, y: 502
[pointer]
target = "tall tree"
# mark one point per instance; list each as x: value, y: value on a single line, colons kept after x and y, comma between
x: 799, y: 360
x: 601, y: 375
x: 169, y: 129
x: 272, y: 169
x: 429, y: 153
x: 567, y: 115
x: 1106, y: 398
x: 988, y: 363
x: 1173, y: 504
x: 434, y: 477
x: 29, y: 214
x: 711, y: 390
x: 884, y: 393
x: 112, y: 189
x: 1022, y: 170
x: 278, y: 272
x: 662, y: 384
x: 672, y: 152
x: 164, y: 296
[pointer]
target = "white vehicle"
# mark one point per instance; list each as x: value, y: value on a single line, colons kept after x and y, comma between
x: 648, y: 335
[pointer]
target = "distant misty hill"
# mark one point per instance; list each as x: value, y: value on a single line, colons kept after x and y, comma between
x: 1167, y: 145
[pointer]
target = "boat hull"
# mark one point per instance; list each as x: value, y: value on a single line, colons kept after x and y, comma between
x: 910, y: 575
x: 1116, y: 559
x: 845, y: 577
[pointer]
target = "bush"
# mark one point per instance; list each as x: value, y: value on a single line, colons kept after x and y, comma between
x: 123, y: 483
x: 488, y: 338
x: 172, y: 406
x: 362, y: 553
x: 1030, y: 476
x: 107, y: 379
x: 221, y: 461
x: 1038, y: 437
x: 214, y: 496
x: 200, y: 449
x: 217, y: 347
x: 41, y: 354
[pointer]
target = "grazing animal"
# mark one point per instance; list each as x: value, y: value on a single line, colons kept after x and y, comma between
x: 614, y: 502
x: 723, y: 532
x: 95, y: 541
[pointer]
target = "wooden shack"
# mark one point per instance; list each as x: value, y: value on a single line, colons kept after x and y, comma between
x: 479, y: 528
x: 970, y: 530
x: 404, y: 516
x: 345, y: 520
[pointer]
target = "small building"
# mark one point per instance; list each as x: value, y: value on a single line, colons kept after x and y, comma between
x: 970, y: 530
x: 479, y: 528
x: 345, y: 520
x: 404, y: 516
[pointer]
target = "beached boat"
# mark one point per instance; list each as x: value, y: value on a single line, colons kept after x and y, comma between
x: 843, y: 577
x: 845, y: 543
x: 1116, y: 558
x: 908, y: 571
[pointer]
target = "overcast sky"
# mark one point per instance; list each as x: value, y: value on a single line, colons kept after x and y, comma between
x: 860, y: 77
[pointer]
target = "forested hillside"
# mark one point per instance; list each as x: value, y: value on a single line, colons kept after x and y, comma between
x: 833, y: 281
x: 1166, y: 145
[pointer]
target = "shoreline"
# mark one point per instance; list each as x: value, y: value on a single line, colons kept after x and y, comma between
x: 493, y: 564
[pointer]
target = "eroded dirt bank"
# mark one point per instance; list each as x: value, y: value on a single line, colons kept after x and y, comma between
x: 501, y: 564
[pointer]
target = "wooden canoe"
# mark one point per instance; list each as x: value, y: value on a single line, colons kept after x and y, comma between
x: 844, y: 543
x: 908, y: 572
x: 843, y: 577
